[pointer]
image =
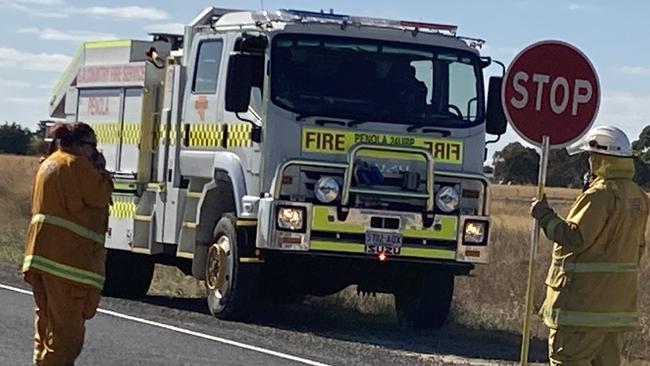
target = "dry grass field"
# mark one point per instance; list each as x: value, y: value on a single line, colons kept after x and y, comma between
x: 493, y: 298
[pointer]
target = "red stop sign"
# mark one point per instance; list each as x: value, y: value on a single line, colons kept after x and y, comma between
x: 552, y: 89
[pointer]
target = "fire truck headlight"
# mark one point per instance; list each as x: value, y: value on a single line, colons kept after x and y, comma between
x: 474, y: 232
x: 291, y: 218
x: 326, y: 189
x: 447, y: 199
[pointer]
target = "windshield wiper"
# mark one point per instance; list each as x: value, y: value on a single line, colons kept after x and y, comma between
x: 443, y: 133
x: 323, y: 122
x: 355, y: 122
x: 304, y: 116
x: 436, y: 118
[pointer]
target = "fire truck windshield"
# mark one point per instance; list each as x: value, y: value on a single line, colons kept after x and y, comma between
x: 365, y: 80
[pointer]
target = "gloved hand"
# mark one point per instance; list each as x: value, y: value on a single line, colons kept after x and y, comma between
x: 540, y: 208
x: 100, y: 161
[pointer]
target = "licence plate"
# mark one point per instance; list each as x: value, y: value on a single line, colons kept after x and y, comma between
x: 380, y: 242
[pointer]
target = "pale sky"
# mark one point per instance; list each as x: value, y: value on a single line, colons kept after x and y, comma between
x: 39, y: 37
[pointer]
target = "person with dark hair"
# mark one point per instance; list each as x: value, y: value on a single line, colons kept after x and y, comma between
x: 64, y: 254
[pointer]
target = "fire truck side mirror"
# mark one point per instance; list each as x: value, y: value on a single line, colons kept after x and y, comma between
x: 496, y: 121
x: 239, y: 82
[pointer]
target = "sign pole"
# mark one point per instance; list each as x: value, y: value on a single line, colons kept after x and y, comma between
x: 534, y: 241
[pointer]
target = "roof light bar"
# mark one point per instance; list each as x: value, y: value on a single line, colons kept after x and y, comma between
x: 315, y: 14
x: 368, y: 21
x: 433, y: 26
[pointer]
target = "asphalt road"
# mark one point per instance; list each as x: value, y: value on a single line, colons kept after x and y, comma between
x: 117, y: 341
x: 164, y: 331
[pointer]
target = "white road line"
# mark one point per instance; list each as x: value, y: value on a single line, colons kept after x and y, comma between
x: 191, y: 333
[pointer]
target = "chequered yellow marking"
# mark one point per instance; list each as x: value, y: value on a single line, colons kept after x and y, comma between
x: 172, y: 136
x: 239, y: 135
x: 205, y: 135
x: 131, y: 133
x: 107, y: 133
x: 123, y: 207
x: 160, y: 137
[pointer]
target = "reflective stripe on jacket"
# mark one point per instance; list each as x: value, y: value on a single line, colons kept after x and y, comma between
x: 69, y: 220
x: 592, y: 280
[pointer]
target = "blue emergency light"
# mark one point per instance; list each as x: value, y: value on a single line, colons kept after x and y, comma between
x: 315, y: 14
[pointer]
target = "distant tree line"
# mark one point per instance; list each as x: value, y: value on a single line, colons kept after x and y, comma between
x: 518, y: 164
x: 18, y: 140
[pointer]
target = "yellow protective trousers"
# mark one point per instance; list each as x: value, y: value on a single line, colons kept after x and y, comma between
x: 584, y: 348
x: 62, y: 309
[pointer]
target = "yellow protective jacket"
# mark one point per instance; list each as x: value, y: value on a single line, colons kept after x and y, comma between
x: 69, y: 220
x: 592, y: 280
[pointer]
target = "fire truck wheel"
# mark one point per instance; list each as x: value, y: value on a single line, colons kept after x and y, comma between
x: 426, y: 304
x: 231, y: 285
x: 128, y: 275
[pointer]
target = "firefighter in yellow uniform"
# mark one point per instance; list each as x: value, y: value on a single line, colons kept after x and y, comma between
x: 64, y: 254
x: 591, y: 287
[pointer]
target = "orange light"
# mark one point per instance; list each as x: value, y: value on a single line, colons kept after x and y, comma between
x: 472, y: 253
x: 291, y: 240
x: 382, y: 257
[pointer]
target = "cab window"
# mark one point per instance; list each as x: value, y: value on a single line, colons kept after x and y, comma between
x: 206, y: 73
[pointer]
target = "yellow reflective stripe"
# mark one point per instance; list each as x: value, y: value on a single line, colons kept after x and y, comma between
x: 107, y: 133
x: 131, y: 133
x: 124, y: 186
x: 156, y: 186
x: 204, y: 135
x: 331, y: 246
x: 69, y: 225
x: 107, y: 44
x: 427, y: 253
x: 161, y: 135
x: 246, y: 222
x: 339, y: 141
x: 557, y: 317
x: 112, y: 132
x: 123, y: 207
x: 64, y: 271
x: 321, y: 222
x: 239, y: 135
x: 448, y: 230
x: 597, y: 267
x: 190, y: 225
x: 250, y: 260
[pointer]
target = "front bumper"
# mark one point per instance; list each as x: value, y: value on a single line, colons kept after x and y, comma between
x: 323, y: 233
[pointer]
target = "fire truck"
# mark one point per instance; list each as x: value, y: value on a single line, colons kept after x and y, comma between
x: 280, y: 154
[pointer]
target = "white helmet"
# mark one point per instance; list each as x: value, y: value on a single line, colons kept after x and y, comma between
x: 606, y: 140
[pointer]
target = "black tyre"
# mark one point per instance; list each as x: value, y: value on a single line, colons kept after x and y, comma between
x: 128, y: 275
x: 425, y: 303
x: 232, y: 286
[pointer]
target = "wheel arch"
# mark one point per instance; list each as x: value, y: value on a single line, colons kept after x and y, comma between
x: 221, y: 195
